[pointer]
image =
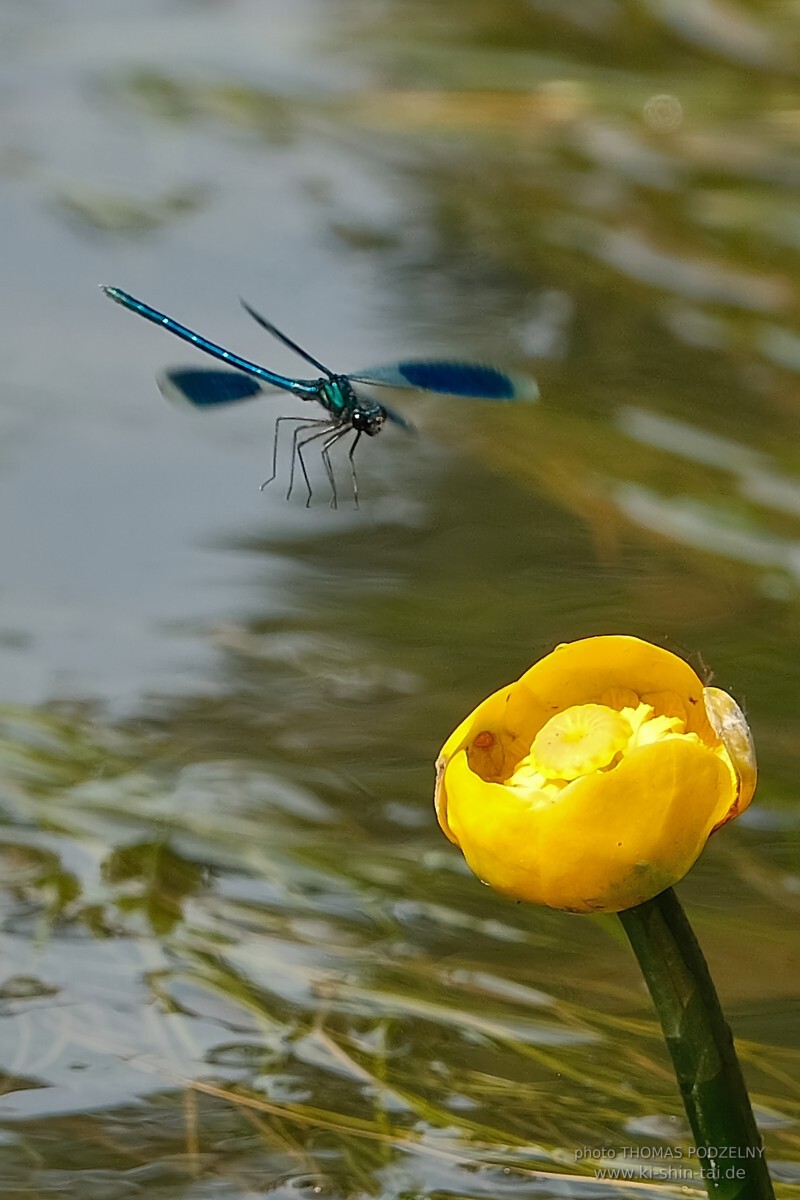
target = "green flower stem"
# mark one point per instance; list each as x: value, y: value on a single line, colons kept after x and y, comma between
x: 731, y: 1155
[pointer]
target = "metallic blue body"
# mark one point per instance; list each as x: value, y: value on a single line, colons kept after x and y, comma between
x: 298, y: 386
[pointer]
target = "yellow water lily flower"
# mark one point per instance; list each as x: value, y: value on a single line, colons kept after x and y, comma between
x: 593, y: 782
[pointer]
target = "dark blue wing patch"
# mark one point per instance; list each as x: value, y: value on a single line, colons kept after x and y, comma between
x: 208, y: 389
x: 397, y: 419
x: 458, y: 379
x: 472, y: 380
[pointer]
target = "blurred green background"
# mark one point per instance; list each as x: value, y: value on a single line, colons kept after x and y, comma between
x: 238, y: 958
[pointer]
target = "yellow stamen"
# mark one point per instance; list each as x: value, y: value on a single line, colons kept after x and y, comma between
x: 579, y: 740
x: 666, y: 704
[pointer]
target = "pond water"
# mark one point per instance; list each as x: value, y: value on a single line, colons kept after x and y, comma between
x: 238, y: 956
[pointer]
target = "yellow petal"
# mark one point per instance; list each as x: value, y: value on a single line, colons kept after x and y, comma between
x: 729, y: 723
x: 609, y: 841
x: 579, y: 672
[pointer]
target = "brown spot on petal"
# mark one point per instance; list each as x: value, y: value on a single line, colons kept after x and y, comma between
x: 484, y: 740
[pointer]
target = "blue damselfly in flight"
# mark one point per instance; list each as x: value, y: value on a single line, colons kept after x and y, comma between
x: 347, y: 409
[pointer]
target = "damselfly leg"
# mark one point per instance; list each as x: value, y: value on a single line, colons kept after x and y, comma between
x: 297, y: 456
x: 350, y: 454
x: 336, y: 437
x: 301, y: 422
x: 321, y: 428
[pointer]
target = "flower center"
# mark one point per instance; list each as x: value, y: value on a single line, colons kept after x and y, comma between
x: 578, y: 741
x: 593, y: 737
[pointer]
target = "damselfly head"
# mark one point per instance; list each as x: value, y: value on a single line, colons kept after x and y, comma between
x: 368, y: 418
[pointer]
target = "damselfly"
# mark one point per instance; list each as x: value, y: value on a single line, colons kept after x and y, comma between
x: 347, y: 409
